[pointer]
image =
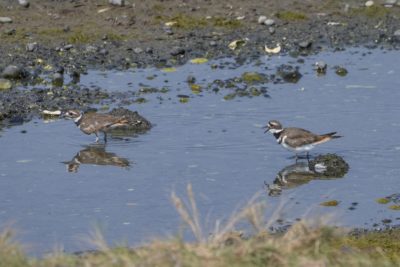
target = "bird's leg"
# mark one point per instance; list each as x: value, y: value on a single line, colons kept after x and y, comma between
x: 97, y: 137
x: 105, y: 137
x: 296, y: 157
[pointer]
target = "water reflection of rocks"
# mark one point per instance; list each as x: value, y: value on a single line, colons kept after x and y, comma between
x: 96, y: 155
x: 323, y: 167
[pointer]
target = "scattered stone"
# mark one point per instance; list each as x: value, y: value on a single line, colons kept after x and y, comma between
x: 340, y: 71
x: 330, y: 203
x: 58, y: 79
x: 23, y: 3
x: 369, y: 3
x: 149, y: 50
x: 271, y: 30
x: 138, y: 50
x: 191, y: 79
x: 75, y: 77
x: 321, y: 67
x: 305, y: 44
x: 262, y: 19
x: 30, y: 47
x: 14, y: 72
x: 269, y: 22
x: 168, y: 30
x: 213, y: 43
x: 103, y: 52
x: 396, y: 35
x: 389, y: 3
x: 10, y: 31
x: 68, y: 46
x: 5, y: 20
x: 5, y: 84
x: 335, y: 166
x: 117, y: 2
x: 289, y: 73
x: 91, y: 48
x: 177, y: 51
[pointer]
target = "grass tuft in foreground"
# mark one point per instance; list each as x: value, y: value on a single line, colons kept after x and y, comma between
x: 301, y: 245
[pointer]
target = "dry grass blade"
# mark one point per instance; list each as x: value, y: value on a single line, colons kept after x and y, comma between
x: 190, y: 217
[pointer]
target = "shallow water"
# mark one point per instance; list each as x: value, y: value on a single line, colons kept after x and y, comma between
x: 218, y: 146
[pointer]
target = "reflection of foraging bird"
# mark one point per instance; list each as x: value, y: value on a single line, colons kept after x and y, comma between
x: 90, y: 123
x: 297, y: 139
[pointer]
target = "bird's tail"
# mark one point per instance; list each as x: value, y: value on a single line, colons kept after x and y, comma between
x: 326, y: 137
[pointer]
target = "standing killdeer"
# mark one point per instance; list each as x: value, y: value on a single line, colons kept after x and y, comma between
x: 297, y: 139
x: 95, y: 122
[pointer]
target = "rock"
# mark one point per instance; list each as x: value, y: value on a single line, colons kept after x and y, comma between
x: 149, y: 50
x: 369, y: 3
x: 191, y: 79
x: 269, y: 22
x: 334, y: 165
x: 103, y: 52
x: 68, y: 46
x: 117, y: 2
x: 14, y: 72
x: 321, y: 67
x: 30, y: 47
x: 91, y: 48
x: 23, y: 3
x: 271, y: 30
x: 340, y: 71
x: 305, y: 44
x: 5, y: 84
x: 289, y: 73
x: 5, y: 20
x: 389, y: 3
x: 58, y: 79
x: 397, y: 33
x: 213, y: 43
x: 177, y: 51
x: 138, y: 50
x: 10, y: 31
x: 168, y: 30
x: 75, y: 77
x: 261, y: 19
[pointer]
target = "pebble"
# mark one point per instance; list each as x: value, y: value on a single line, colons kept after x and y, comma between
x: 58, y: 79
x: 269, y: 22
x: 176, y: 51
x: 168, y: 30
x: 117, y: 2
x: 262, y: 19
x: 5, y: 20
x: 68, y: 47
x: 30, y: 47
x: 91, y: 48
x: 14, y: 72
x: 149, y: 50
x: 305, y: 44
x: 24, y: 3
x: 103, y: 52
x: 138, y: 50
x: 321, y: 66
x: 10, y: 32
x: 389, y: 3
x: 369, y: 3
x: 213, y: 43
x: 271, y: 30
x: 5, y: 84
x: 397, y: 33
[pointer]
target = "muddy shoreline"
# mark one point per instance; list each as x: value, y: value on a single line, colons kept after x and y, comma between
x: 49, y: 39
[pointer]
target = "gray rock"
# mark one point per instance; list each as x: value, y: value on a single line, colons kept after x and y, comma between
x: 176, y: 51
x: 30, y: 47
x: 14, y: 72
x: 305, y: 44
x: 5, y: 84
x: 24, y: 3
x: 58, y: 79
x: 213, y: 43
x: 91, y: 48
x: 68, y: 46
x: 138, y: 50
x: 103, y: 52
x: 321, y: 66
x: 271, y: 30
x: 261, y: 19
x: 117, y: 2
x: 397, y: 33
x: 369, y: 3
x: 168, y: 30
x: 5, y: 20
x: 269, y: 22
x: 10, y: 31
x: 149, y: 50
x: 289, y: 73
x: 389, y: 3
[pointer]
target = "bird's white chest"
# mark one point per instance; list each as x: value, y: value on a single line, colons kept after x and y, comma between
x: 282, y: 140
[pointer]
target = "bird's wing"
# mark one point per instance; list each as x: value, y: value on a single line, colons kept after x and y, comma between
x: 299, y: 137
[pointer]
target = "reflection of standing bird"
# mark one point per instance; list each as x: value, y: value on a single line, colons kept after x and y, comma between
x: 297, y: 139
x: 96, y: 122
x: 96, y: 155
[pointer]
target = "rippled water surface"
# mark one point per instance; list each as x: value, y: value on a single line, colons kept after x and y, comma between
x: 216, y: 145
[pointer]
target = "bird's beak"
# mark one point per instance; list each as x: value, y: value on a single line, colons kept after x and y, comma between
x: 266, y: 128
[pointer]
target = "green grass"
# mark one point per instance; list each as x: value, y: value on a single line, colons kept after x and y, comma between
x: 291, y: 15
x: 301, y: 245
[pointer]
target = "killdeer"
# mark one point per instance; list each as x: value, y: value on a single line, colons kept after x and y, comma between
x: 297, y: 139
x: 90, y: 123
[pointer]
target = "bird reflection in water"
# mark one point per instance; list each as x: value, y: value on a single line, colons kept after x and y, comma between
x: 323, y: 167
x: 96, y: 155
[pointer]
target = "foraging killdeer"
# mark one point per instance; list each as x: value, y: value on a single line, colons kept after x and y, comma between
x: 95, y: 122
x: 297, y: 139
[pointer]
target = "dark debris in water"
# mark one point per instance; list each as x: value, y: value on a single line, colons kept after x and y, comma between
x: 137, y: 123
x: 335, y: 166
